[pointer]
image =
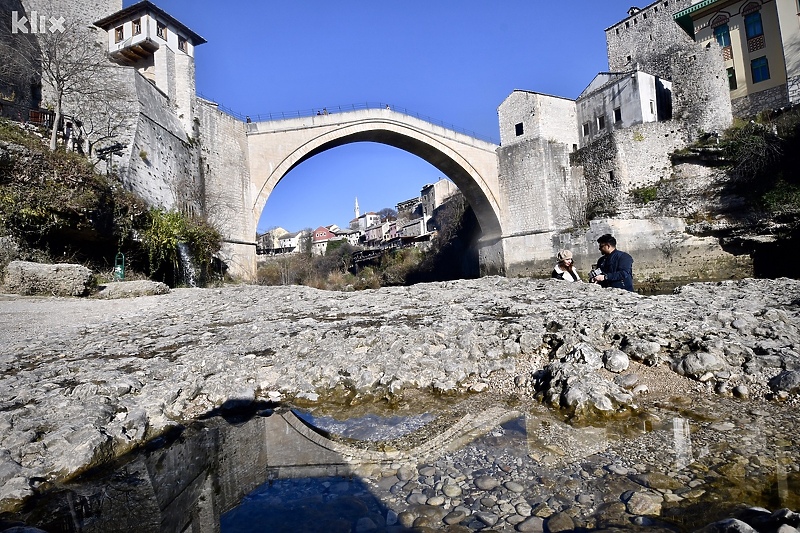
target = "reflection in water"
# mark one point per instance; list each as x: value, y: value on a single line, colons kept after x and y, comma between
x: 331, y: 504
x: 214, y: 475
x: 370, y: 427
x: 682, y: 443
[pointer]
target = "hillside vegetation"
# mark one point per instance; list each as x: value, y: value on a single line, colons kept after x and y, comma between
x: 55, y: 207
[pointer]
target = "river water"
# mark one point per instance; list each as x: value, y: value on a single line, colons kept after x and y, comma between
x: 498, y: 464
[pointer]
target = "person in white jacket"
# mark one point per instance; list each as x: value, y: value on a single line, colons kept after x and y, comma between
x: 565, y: 268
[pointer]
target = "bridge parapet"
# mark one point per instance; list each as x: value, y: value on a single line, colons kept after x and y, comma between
x: 348, y: 116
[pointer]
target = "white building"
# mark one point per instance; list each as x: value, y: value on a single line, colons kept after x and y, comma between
x: 615, y: 100
x: 291, y: 243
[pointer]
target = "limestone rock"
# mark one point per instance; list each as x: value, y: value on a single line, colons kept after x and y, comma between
x: 24, y: 277
x: 788, y: 380
x: 131, y: 289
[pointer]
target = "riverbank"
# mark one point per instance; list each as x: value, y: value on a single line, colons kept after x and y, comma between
x: 83, y: 381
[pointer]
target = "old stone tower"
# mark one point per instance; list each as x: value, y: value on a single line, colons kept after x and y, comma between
x: 575, y: 161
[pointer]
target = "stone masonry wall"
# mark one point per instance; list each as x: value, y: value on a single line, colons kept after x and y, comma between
x: 163, y: 166
x: 648, y: 38
x: 627, y: 159
x: 793, y: 86
x: 754, y: 103
x: 548, y: 117
x: 700, y: 94
x: 535, y: 178
x: 643, y: 157
x: 229, y: 199
x: 84, y: 12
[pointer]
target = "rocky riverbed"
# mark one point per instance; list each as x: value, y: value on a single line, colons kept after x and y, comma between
x: 85, y: 380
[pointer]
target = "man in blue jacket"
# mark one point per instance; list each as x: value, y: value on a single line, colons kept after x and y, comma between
x: 616, y: 265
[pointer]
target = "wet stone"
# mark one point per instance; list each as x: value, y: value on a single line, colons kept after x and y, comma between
x: 486, y: 483
x: 451, y: 491
x: 640, y: 503
x: 534, y: 524
x: 488, y: 519
x: 455, y: 517
x: 513, y: 486
x: 560, y: 522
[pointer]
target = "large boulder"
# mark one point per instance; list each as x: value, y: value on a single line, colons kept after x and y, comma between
x: 24, y: 277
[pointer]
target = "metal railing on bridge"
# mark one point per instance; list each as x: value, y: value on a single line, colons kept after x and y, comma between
x: 350, y: 107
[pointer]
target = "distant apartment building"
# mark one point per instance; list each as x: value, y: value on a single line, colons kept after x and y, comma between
x: 321, y: 236
x: 409, y: 208
x: 760, y: 41
x: 270, y: 241
x: 292, y: 242
x: 435, y: 194
x: 365, y: 221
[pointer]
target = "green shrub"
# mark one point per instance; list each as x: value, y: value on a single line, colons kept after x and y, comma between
x: 752, y: 148
x: 165, y: 229
x: 644, y: 195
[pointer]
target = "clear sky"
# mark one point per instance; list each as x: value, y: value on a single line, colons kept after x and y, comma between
x: 452, y: 60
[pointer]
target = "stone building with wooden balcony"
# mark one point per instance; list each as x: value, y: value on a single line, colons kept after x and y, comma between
x: 158, y: 46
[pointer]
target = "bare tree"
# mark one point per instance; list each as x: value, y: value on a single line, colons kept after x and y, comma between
x: 108, y: 114
x: 387, y: 213
x: 71, y: 61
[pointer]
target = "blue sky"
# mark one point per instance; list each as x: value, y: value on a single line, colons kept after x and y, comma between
x: 452, y: 60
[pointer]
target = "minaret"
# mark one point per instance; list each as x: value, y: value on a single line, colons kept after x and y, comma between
x: 358, y: 212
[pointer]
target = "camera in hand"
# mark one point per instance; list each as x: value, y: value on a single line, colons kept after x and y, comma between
x: 593, y: 275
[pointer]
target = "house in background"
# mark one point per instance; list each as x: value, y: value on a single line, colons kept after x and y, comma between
x: 270, y: 241
x: 367, y: 220
x: 291, y: 242
x: 760, y: 41
x: 616, y: 100
x: 320, y: 238
x: 435, y: 194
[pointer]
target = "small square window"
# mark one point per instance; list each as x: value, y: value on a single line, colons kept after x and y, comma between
x: 161, y: 31
x: 627, y: 24
x: 652, y: 107
x: 519, y: 129
x: 181, y: 44
x: 629, y: 59
x: 119, y: 34
x: 137, y: 26
x: 618, y: 114
x: 617, y: 30
x: 601, y: 123
x: 586, y: 129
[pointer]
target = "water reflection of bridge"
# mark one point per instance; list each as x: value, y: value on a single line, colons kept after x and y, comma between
x: 295, y: 449
x: 189, y: 484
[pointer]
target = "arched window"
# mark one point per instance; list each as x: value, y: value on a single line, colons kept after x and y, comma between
x: 753, y: 26
x: 723, y: 35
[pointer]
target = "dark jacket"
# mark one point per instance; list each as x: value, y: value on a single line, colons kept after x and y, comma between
x: 617, y: 268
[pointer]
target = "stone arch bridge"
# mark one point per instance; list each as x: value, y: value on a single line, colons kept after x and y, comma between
x: 275, y: 147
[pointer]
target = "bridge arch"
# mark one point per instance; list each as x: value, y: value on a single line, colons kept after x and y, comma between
x: 470, y: 163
